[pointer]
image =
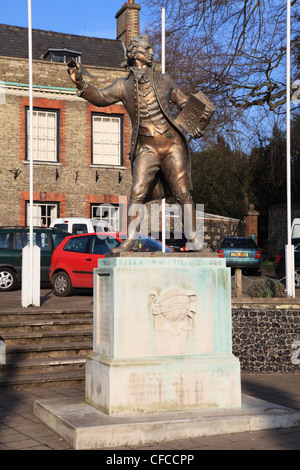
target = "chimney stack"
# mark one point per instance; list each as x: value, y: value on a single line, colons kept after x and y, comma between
x: 128, y: 22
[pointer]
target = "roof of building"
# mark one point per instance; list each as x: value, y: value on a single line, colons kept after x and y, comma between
x: 95, y: 51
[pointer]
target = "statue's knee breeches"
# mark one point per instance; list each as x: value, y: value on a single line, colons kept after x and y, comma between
x: 183, y: 195
x: 138, y: 193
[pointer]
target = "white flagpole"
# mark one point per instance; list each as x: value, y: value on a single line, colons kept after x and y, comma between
x: 289, y: 249
x: 30, y: 128
x: 30, y: 254
x: 163, y: 69
x: 163, y: 40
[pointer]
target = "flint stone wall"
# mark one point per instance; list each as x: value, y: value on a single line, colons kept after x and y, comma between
x: 217, y: 229
x: 266, y: 337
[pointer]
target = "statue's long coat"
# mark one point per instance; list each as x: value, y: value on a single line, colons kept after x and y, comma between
x: 126, y: 90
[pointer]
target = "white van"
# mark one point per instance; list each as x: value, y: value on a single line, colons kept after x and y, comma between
x: 296, y: 228
x: 76, y: 225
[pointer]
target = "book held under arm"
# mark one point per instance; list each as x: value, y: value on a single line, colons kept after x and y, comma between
x: 196, y: 114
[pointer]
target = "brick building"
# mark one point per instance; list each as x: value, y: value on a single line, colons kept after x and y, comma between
x: 80, y: 152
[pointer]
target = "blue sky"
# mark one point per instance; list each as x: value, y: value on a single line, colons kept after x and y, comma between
x: 85, y: 17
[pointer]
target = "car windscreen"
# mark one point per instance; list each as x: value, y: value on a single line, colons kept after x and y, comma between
x: 79, y: 228
x: 77, y: 245
x: 99, y: 227
x: 296, y: 231
x: 61, y: 227
x: 58, y: 238
x: 150, y: 244
x: 39, y: 238
x: 175, y: 238
x: 103, y: 245
x: 6, y: 240
x: 238, y: 243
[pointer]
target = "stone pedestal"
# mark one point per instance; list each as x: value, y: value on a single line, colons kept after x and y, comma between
x: 162, y: 367
x: 162, y: 335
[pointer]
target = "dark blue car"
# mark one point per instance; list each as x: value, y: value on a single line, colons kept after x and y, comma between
x: 241, y: 252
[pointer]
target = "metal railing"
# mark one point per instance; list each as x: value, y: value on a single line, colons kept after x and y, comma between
x: 237, y: 282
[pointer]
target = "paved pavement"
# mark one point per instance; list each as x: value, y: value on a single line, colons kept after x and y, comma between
x: 83, y: 298
x: 21, y: 430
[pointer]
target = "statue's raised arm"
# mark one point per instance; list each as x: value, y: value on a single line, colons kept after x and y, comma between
x: 75, y: 73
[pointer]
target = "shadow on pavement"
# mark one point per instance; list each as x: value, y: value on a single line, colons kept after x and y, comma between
x: 283, y: 390
x: 46, y: 297
x: 274, y: 388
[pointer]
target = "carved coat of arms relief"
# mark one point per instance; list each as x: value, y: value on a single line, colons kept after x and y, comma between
x: 173, y: 310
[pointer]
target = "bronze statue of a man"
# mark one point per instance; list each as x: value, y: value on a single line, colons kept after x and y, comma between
x: 160, y: 159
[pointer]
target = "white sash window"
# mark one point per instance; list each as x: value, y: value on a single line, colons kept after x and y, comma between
x: 44, y: 135
x: 43, y: 214
x: 106, y: 143
x: 107, y: 212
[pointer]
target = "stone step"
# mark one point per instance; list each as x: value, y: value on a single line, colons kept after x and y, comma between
x: 42, y: 337
x: 42, y: 365
x: 52, y: 350
x: 45, y: 348
x: 26, y: 315
x: 42, y: 380
x: 44, y: 325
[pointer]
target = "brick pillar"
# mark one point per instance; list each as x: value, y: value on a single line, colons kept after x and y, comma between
x: 128, y: 22
x: 251, y: 223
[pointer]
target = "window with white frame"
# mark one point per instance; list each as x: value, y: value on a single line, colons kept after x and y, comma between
x: 43, y: 213
x: 44, y: 134
x: 107, y: 212
x: 106, y: 139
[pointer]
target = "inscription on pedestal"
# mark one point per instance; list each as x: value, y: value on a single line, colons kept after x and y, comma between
x: 104, y: 327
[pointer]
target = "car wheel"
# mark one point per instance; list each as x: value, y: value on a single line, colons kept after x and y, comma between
x: 297, y: 277
x: 62, y: 286
x: 8, y: 279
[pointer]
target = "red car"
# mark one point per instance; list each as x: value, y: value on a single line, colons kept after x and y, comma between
x: 74, y: 260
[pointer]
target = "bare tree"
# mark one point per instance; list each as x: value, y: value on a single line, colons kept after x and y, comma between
x: 234, y: 50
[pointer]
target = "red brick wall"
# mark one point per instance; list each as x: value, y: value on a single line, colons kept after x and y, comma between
x: 251, y: 222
